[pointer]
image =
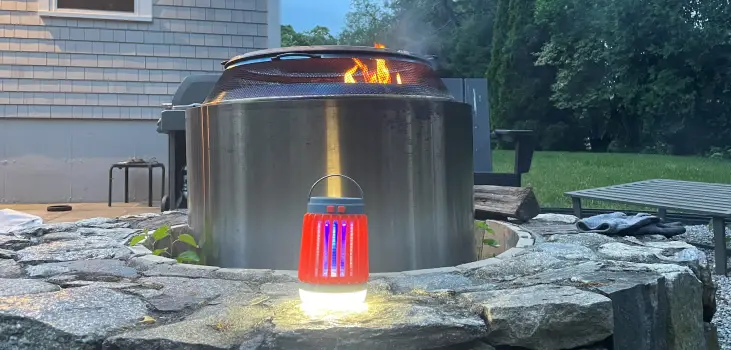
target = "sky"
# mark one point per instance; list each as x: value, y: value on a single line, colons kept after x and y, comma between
x: 305, y: 14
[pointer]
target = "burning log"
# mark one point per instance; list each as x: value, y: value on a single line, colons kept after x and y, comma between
x: 500, y: 202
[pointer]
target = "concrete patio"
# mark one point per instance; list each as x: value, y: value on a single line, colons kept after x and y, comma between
x: 82, y: 211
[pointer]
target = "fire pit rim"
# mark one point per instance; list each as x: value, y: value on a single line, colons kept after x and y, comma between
x: 323, y: 51
x: 285, y: 99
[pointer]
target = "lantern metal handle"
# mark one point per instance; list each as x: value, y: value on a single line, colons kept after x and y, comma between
x: 332, y: 175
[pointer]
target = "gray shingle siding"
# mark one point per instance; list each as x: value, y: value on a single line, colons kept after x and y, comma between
x: 53, y: 67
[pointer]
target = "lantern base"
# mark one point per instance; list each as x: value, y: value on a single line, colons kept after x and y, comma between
x: 348, y: 297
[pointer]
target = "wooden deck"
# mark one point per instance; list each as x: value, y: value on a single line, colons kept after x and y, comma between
x: 82, y: 210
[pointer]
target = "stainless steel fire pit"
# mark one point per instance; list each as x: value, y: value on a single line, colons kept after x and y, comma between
x: 280, y: 119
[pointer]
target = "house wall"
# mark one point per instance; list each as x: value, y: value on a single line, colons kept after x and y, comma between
x: 109, y: 79
x: 66, y: 161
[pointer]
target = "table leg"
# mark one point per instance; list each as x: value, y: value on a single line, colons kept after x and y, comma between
x: 110, y: 186
x: 719, y: 242
x: 126, y: 185
x: 149, y: 185
x: 162, y: 183
x: 576, y: 201
x: 662, y: 213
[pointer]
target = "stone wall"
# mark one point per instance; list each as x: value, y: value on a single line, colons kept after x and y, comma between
x: 76, y: 285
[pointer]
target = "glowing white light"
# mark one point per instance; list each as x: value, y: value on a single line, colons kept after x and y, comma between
x: 314, y: 303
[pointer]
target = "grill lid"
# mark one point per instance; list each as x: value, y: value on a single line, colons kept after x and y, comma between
x: 326, y: 71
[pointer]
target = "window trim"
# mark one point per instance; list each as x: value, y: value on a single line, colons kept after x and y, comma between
x: 143, y: 12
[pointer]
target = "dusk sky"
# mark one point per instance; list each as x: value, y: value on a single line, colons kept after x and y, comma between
x: 305, y: 14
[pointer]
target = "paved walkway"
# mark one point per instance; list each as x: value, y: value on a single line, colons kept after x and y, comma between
x: 82, y: 211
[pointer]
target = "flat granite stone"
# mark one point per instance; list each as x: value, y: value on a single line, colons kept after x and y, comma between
x: 621, y: 251
x: 428, y: 282
x: 105, y: 223
x: 10, y: 269
x: 84, y: 269
x: 14, y: 243
x: 120, y: 234
x: 180, y: 270
x: 60, y: 236
x: 590, y: 240
x: 79, y: 249
x: 544, y: 317
x: 567, y: 251
x: 180, y: 293
x: 40, y: 230
x: 153, y: 222
x: 13, y: 287
x: 74, y: 318
x: 527, y: 262
x: 389, y: 323
x: 7, y: 254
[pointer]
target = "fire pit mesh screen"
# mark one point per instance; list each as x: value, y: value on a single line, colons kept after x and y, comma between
x: 324, y: 77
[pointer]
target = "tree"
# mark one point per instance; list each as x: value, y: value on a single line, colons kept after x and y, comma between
x: 367, y: 22
x: 645, y: 74
x: 315, y: 36
x: 520, y: 90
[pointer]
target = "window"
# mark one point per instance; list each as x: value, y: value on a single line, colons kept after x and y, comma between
x: 123, y: 10
x: 109, y: 5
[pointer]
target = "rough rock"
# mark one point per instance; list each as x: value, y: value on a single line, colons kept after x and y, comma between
x: 7, y: 254
x: 85, y: 269
x: 10, y: 269
x: 143, y: 263
x: 12, y: 287
x: 223, y: 326
x: 562, y: 218
x: 524, y: 263
x: 121, y: 235
x: 105, y: 223
x: 96, y: 284
x: 60, y: 236
x: 153, y: 222
x: 711, y: 332
x: 567, y: 251
x: 544, y: 317
x: 685, y: 324
x: 74, y: 318
x: 389, y: 323
x: 280, y: 289
x: 179, y: 293
x: 244, y: 319
x: 40, y: 230
x: 427, y: 282
x: 640, y: 306
x: 587, y: 239
x: 79, y: 249
x: 621, y: 251
x: 180, y: 270
x: 252, y: 275
x: 14, y: 243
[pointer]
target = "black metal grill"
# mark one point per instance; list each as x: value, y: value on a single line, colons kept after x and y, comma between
x: 326, y: 72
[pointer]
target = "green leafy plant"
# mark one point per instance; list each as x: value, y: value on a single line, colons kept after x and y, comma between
x: 489, y: 241
x: 155, y: 240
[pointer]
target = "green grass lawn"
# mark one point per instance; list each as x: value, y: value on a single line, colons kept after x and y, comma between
x: 554, y: 173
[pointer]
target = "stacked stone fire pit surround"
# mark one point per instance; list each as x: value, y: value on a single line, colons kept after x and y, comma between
x: 78, y: 286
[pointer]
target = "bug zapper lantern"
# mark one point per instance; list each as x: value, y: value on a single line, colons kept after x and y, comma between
x: 333, y: 267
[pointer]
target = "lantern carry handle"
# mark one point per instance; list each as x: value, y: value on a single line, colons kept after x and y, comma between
x: 332, y: 175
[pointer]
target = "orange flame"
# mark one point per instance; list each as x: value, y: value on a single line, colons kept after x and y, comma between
x: 382, y: 75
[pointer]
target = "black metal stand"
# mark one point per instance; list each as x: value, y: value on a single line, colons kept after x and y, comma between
x: 135, y: 164
x: 524, y: 147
